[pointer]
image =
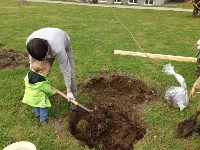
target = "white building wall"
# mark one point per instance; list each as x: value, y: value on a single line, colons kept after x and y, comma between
x: 139, y: 2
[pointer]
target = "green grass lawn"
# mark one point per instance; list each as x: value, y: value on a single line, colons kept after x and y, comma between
x: 95, y: 33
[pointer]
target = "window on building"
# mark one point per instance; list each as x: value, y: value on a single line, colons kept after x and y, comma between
x: 132, y: 1
x: 101, y: 1
x: 117, y: 1
x: 149, y: 2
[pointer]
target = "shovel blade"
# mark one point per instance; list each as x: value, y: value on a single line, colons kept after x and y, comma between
x: 89, y: 110
x: 186, y: 127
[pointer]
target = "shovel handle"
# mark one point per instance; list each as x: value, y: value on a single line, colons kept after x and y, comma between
x: 65, y: 96
x: 72, y: 100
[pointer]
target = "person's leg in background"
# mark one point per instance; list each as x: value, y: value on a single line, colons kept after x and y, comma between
x: 198, y: 67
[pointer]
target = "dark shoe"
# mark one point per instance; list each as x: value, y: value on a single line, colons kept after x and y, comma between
x: 36, y: 116
x: 73, y: 107
x: 40, y: 124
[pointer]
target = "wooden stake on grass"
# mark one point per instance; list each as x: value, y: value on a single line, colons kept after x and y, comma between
x: 156, y: 56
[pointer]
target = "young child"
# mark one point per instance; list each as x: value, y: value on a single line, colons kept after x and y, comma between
x: 37, y: 86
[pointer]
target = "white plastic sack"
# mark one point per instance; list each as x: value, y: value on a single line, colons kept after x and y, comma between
x: 176, y: 96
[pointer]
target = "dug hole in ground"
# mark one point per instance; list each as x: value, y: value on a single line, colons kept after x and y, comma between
x: 117, y: 100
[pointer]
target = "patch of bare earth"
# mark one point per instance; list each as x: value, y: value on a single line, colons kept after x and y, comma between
x: 117, y: 100
x: 10, y: 58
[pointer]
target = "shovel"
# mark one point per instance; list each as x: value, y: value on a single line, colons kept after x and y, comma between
x: 186, y: 127
x: 73, y: 101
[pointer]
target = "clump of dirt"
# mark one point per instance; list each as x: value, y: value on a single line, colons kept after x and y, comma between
x: 10, y: 58
x: 115, y: 123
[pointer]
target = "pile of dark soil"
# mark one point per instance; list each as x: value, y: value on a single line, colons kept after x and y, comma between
x: 10, y: 58
x: 116, y: 123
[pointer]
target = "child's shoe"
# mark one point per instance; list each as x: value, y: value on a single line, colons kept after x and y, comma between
x: 36, y: 116
x: 40, y: 124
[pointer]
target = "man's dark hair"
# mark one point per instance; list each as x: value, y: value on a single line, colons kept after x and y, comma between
x: 38, y: 48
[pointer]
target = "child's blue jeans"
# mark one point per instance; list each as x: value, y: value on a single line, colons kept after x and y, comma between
x: 42, y: 112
